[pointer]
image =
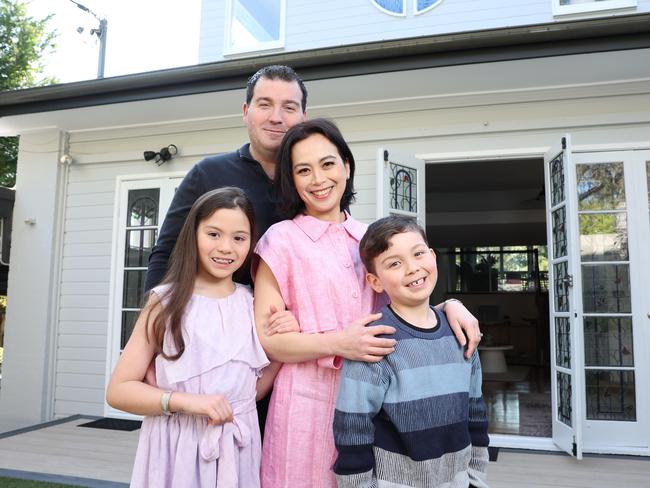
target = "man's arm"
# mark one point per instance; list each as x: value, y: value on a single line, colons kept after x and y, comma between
x: 188, y: 191
x: 361, y: 395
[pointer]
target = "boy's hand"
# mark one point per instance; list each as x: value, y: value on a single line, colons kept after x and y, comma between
x: 281, y: 322
x: 464, y: 325
x: 360, y: 343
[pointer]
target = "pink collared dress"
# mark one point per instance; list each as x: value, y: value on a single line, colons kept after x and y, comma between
x: 322, y: 281
x: 222, y: 356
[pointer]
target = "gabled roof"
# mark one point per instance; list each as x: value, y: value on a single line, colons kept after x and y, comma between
x: 524, y: 42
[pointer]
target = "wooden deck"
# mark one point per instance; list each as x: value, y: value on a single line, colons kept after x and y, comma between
x: 69, y: 454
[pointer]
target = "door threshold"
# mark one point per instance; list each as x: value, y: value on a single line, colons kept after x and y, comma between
x: 523, y: 442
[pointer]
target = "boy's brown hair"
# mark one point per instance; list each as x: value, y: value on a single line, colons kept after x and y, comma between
x: 377, y: 238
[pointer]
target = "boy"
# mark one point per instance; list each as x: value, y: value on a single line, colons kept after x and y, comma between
x: 416, y: 418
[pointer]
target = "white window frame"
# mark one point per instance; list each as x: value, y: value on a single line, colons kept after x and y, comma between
x: 228, y: 50
x: 124, y: 184
x: 389, y: 12
x: 593, y: 6
x: 424, y: 10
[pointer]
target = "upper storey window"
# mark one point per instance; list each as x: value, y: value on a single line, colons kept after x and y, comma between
x: 254, y: 25
x: 398, y: 7
x: 567, y: 7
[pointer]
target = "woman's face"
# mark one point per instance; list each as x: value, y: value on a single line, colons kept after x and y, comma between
x: 320, y: 176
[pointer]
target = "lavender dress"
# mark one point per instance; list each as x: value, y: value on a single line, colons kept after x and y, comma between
x: 222, y: 356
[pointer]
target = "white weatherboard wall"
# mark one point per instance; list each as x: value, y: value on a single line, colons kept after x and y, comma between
x: 56, y: 344
x: 311, y: 24
x: 100, y: 156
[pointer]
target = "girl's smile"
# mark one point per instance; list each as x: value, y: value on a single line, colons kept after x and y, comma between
x: 320, y: 177
x: 222, y: 242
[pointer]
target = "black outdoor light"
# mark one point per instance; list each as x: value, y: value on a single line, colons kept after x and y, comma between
x: 165, y: 154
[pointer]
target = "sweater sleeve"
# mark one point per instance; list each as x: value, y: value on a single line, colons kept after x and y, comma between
x: 361, y: 396
x: 188, y: 191
x: 478, y: 428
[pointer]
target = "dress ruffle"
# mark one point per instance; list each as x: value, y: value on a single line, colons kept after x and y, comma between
x: 206, y: 348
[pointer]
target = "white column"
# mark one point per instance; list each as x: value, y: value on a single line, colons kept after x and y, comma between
x: 27, y: 372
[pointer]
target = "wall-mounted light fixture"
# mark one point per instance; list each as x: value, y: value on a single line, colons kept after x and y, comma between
x: 165, y: 154
x: 65, y: 159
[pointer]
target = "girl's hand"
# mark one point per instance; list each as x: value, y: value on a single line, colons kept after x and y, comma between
x: 360, y: 343
x: 464, y: 325
x: 281, y: 322
x: 215, y: 407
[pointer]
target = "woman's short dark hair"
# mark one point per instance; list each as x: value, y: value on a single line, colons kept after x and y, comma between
x: 377, y: 238
x: 290, y: 202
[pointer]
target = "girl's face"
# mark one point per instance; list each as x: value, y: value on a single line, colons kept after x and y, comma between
x: 320, y: 176
x: 223, y: 241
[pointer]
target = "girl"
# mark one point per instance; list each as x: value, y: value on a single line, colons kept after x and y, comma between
x: 311, y: 266
x: 201, y: 427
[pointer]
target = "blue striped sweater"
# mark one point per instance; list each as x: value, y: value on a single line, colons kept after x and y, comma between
x: 416, y: 418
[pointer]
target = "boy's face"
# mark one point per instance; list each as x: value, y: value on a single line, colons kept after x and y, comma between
x: 406, y: 271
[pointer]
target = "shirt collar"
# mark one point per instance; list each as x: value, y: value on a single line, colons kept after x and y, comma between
x: 245, y: 153
x: 315, y: 228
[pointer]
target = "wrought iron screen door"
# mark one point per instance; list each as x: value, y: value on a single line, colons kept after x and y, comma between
x: 400, y: 185
x: 566, y: 360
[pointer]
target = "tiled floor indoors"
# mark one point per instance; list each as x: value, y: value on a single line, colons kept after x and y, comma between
x: 519, y: 402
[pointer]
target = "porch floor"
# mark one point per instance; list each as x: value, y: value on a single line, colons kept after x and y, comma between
x: 64, y: 453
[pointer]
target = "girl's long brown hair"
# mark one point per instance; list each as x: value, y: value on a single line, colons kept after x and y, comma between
x: 184, y: 265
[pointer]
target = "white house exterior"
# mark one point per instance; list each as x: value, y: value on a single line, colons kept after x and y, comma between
x: 459, y: 81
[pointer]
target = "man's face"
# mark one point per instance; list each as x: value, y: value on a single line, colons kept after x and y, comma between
x: 275, y: 107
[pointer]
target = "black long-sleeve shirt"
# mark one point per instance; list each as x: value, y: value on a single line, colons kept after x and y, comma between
x: 238, y: 169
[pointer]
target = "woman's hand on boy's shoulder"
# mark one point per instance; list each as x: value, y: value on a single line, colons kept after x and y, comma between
x: 360, y: 343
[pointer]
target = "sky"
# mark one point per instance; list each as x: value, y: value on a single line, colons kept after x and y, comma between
x: 143, y: 35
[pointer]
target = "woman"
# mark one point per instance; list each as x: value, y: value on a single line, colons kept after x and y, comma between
x: 310, y: 265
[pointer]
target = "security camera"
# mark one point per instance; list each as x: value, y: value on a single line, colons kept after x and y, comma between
x: 149, y: 155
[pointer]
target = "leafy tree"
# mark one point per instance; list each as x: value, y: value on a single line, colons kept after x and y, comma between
x: 23, y: 41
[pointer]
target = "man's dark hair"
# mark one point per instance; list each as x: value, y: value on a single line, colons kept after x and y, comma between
x: 377, y: 238
x: 276, y: 72
x: 291, y: 204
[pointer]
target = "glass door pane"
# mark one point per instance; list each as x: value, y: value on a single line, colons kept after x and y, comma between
x: 606, y: 291
x: 566, y: 416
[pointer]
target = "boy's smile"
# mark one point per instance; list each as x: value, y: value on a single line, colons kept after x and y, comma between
x: 406, y: 271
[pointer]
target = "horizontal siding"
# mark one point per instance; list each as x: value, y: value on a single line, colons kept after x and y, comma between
x: 81, y: 366
x: 92, y: 381
x: 414, y: 126
x: 312, y: 24
x: 83, y: 329
x: 65, y: 408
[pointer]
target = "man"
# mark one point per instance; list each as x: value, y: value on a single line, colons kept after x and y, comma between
x: 276, y: 99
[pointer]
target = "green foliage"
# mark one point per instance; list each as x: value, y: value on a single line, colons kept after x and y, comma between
x: 23, y: 41
x: 20, y: 483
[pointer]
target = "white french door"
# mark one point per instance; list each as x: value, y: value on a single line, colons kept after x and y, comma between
x: 566, y: 380
x: 400, y: 185
x: 141, y: 206
x: 598, y: 230
x: 613, y: 222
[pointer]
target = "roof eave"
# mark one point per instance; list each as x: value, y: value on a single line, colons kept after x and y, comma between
x: 538, y: 40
